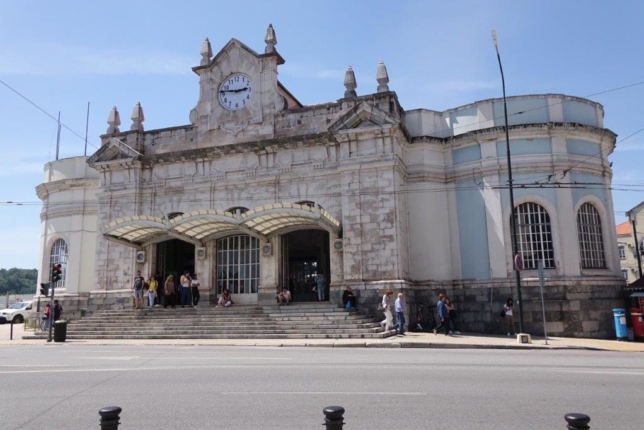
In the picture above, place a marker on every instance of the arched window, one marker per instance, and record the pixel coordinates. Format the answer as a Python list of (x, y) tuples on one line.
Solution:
[(534, 236), (238, 264), (237, 210), (174, 214), (58, 255), (591, 243)]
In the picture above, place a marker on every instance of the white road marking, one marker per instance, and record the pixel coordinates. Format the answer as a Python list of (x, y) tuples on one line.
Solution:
[(332, 393)]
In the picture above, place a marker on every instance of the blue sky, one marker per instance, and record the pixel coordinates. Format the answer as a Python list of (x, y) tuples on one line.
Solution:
[(439, 55)]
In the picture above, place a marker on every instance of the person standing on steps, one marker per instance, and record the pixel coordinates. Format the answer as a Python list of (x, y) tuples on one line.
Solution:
[(452, 315), (386, 308), (137, 289), (443, 315), (399, 307), (184, 289), (153, 285), (194, 284), (508, 309), (320, 285), (168, 292)]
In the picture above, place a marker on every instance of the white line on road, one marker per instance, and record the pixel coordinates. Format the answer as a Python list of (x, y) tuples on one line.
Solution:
[(332, 393)]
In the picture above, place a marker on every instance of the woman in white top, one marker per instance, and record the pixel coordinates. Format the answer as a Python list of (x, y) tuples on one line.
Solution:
[(508, 308), (387, 323)]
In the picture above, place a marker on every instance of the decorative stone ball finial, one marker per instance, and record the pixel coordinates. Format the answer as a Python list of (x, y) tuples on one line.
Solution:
[(382, 77), (206, 52), (350, 83), (137, 118), (114, 120), (270, 39)]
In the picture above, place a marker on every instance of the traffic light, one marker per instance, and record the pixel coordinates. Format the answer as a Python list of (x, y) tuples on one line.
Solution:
[(55, 273), (44, 289)]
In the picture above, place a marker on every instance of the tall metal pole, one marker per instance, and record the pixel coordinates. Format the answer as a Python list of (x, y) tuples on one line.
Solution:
[(513, 212), (637, 247), (86, 128), (58, 137)]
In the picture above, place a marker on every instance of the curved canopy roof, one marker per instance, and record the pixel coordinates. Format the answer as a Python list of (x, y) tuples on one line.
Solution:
[(202, 225)]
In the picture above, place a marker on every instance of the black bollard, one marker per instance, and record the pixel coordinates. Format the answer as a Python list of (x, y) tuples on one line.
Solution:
[(577, 421), (110, 417), (11, 331), (333, 417)]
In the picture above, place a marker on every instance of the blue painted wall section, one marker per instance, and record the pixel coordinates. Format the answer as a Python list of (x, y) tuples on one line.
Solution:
[(526, 179), (522, 111), (472, 228), (467, 154), (579, 112), (583, 147), (596, 188), (524, 147)]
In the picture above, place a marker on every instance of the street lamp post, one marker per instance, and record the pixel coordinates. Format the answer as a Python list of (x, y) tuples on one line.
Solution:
[(513, 212)]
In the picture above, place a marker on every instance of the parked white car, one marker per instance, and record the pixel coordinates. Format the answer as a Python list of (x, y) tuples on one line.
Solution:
[(16, 313)]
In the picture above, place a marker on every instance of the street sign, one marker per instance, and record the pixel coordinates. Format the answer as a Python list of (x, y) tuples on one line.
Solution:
[(518, 262)]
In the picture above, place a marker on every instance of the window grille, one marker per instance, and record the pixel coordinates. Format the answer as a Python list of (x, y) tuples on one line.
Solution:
[(238, 264), (534, 236), (58, 255), (591, 243)]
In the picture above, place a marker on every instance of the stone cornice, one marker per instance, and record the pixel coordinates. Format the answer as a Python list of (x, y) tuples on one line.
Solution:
[(69, 210), (43, 190), (498, 133)]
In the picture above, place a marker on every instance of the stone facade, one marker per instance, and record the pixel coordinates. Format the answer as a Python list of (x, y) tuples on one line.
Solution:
[(413, 200)]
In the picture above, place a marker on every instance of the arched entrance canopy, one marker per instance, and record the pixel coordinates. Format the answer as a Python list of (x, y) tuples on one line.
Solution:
[(202, 225)]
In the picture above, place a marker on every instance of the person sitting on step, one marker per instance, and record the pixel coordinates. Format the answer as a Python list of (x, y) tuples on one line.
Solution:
[(284, 297), (225, 299), (348, 298)]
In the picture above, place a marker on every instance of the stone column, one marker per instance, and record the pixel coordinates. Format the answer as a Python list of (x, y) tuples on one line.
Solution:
[(269, 271)]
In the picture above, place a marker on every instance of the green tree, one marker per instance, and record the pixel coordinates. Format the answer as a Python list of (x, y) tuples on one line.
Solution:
[(18, 281)]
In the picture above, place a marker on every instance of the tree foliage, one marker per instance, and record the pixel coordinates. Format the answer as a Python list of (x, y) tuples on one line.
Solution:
[(18, 281)]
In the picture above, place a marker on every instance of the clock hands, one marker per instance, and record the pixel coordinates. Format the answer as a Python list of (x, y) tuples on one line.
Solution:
[(235, 91)]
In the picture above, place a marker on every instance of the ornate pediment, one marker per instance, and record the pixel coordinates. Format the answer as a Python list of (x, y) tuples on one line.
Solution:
[(114, 151), (363, 115)]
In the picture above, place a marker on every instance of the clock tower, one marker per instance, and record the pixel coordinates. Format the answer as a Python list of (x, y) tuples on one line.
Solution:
[(238, 93)]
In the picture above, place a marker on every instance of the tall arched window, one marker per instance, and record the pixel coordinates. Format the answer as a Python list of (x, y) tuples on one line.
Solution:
[(591, 243), (534, 236), (58, 255)]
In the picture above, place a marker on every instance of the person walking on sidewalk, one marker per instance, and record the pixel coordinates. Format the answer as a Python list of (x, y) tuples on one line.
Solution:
[(443, 315), (451, 310), (386, 308), (399, 307), (508, 310)]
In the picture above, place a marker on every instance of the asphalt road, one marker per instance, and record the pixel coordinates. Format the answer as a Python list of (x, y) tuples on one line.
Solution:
[(62, 386)]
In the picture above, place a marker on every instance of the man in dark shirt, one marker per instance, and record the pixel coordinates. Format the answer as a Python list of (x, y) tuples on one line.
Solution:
[(58, 310), (348, 297), (137, 288)]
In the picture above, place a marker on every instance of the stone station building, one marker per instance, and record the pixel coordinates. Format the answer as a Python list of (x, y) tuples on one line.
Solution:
[(260, 192)]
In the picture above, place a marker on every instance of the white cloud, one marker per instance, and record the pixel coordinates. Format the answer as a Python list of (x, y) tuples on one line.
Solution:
[(299, 70), (66, 60), (630, 146), (22, 248), (460, 85)]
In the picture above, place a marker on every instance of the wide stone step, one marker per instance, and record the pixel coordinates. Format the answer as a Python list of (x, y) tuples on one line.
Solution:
[(224, 336), (214, 332)]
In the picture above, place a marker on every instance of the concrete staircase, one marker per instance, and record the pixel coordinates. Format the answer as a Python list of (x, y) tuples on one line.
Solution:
[(297, 321)]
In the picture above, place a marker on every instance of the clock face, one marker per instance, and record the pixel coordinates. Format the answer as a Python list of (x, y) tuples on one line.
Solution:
[(235, 91)]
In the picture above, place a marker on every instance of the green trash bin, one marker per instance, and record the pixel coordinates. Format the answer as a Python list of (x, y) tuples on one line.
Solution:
[(60, 331)]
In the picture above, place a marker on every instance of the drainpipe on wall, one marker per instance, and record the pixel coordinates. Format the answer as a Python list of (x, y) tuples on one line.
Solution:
[(637, 246)]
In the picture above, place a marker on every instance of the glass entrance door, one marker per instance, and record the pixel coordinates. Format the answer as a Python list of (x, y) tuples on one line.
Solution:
[(305, 254), (238, 267)]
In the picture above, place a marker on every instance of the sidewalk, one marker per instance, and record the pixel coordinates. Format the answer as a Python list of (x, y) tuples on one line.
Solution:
[(411, 340)]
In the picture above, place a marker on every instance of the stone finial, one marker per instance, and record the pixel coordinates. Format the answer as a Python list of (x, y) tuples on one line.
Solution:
[(114, 120), (137, 118), (382, 77), (206, 52), (270, 39), (350, 83)]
